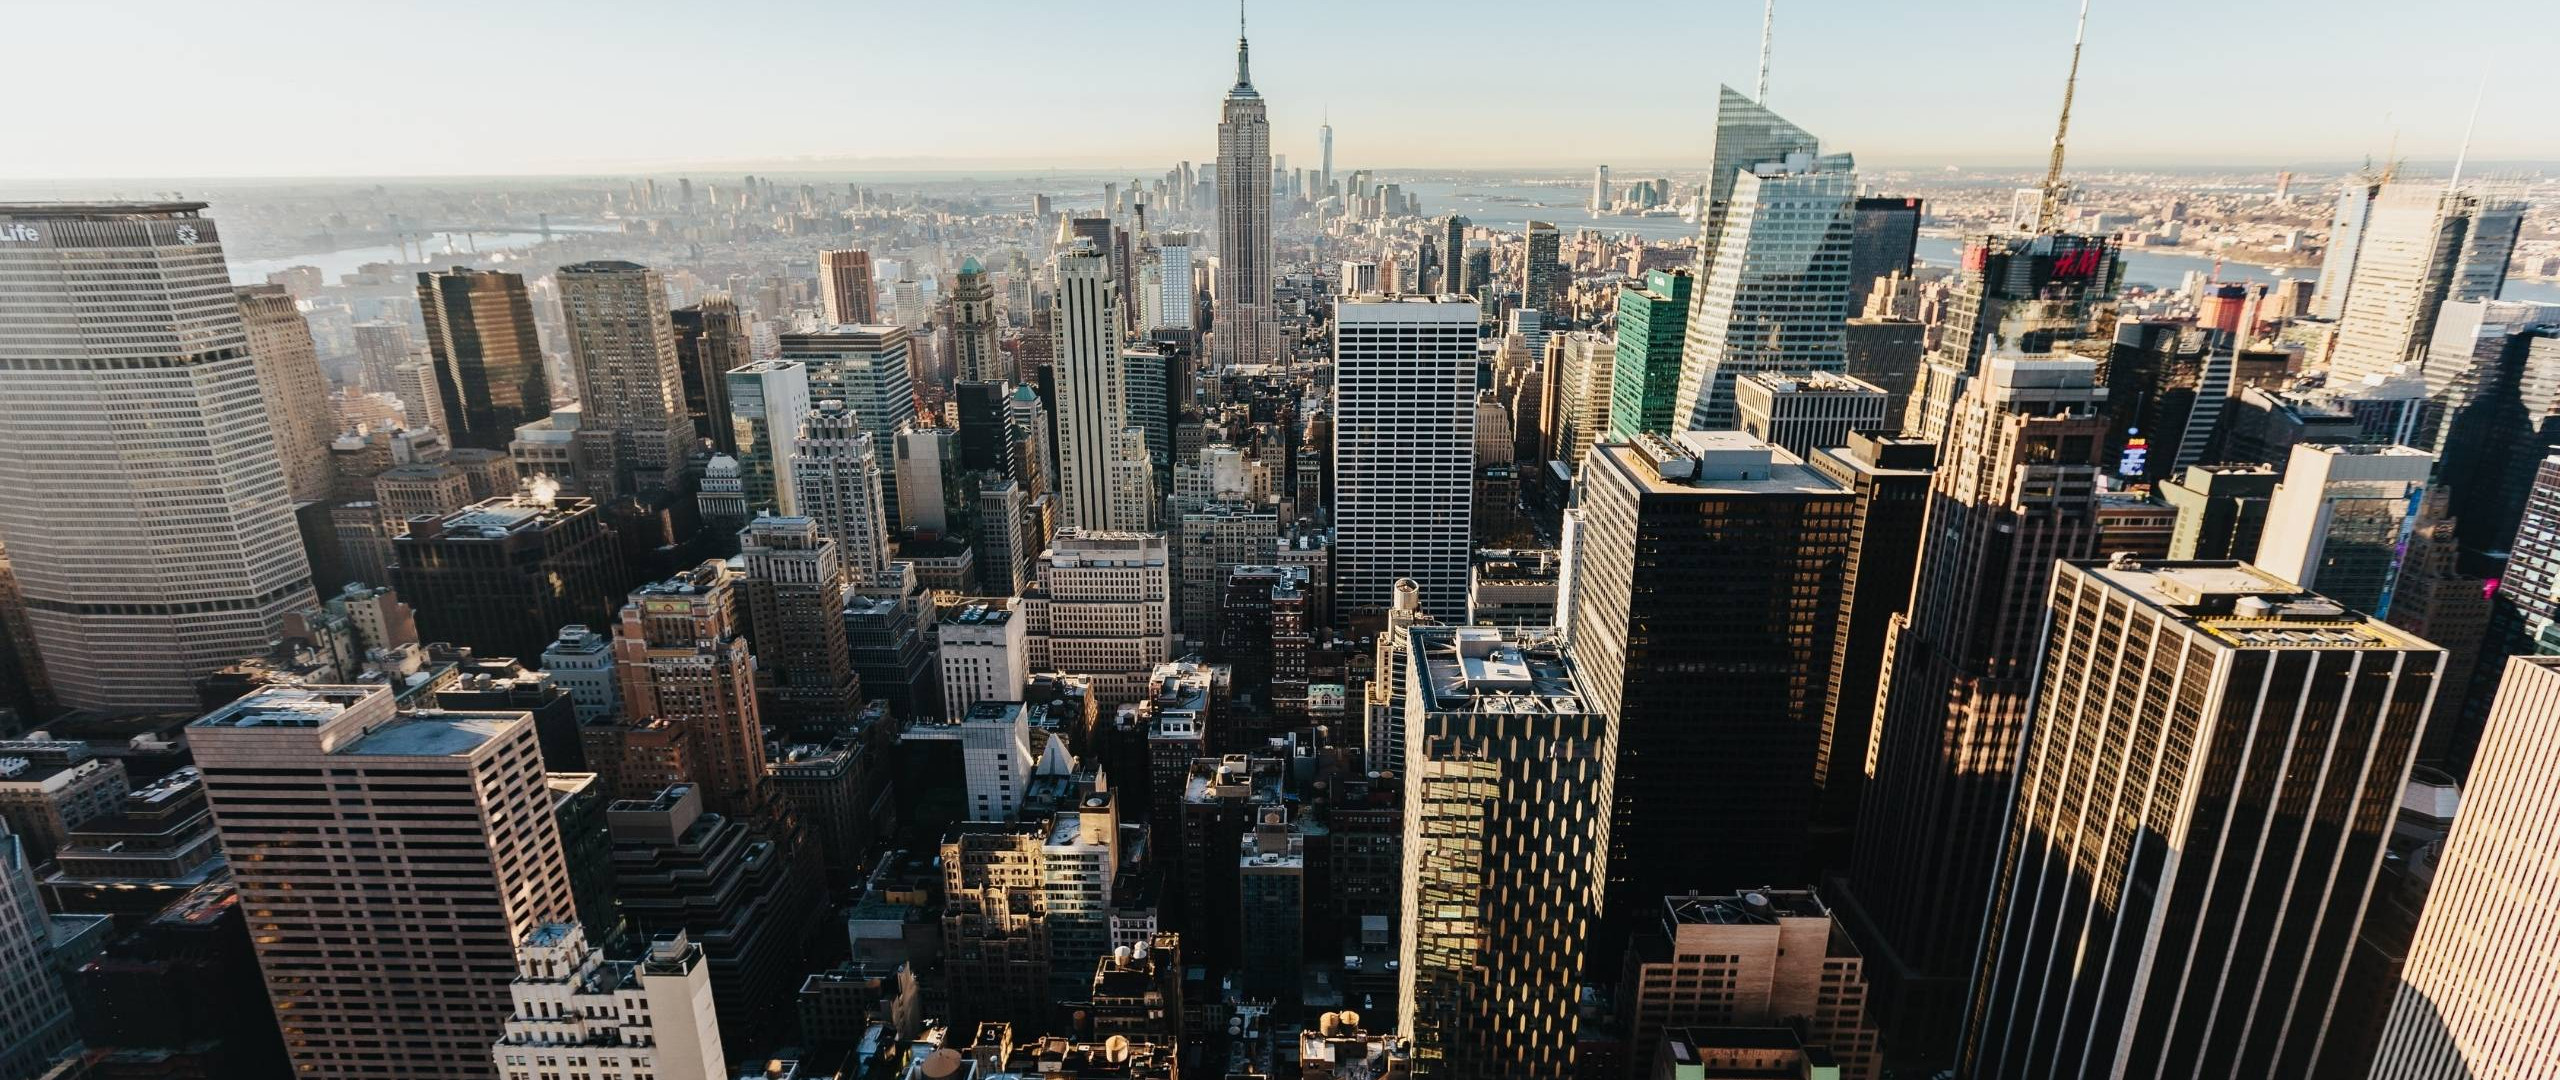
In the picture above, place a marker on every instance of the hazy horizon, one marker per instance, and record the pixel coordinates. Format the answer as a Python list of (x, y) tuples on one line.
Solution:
[(296, 89)]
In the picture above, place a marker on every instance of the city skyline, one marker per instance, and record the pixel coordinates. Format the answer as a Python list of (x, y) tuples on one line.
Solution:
[(1832, 70)]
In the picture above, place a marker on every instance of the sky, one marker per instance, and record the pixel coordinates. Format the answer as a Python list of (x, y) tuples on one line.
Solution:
[(383, 88)]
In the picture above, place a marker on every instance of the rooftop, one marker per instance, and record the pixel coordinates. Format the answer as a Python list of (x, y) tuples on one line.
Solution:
[(1484, 669), (432, 733), (100, 211), (1713, 463), (2243, 607), (1751, 906)]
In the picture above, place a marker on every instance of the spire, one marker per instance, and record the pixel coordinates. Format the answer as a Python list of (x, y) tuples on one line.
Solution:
[(2464, 154), (1244, 75), (1768, 21)]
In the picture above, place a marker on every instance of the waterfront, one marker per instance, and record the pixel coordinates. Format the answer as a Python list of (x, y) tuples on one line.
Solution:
[(1511, 206)]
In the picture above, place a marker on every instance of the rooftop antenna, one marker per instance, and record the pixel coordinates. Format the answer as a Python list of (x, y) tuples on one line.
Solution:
[(2052, 207), (2464, 154), (1243, 75), (1768, 19)]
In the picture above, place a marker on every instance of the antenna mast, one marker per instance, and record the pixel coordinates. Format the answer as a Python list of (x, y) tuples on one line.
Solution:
[(1768, 19), (2051, 210)]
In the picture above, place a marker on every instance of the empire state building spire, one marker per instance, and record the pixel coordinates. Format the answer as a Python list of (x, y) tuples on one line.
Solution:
[(1244, 56)]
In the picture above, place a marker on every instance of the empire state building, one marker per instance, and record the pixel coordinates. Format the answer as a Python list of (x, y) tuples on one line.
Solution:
[(1241, 321)]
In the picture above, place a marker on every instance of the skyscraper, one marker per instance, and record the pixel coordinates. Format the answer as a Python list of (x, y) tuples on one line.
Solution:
[(1711, 559), (768, 401), (36, 1021), (2346, 236), (2474, 1003), (868, 367), (680, 657), (1543, 279), (147, 520), (2340, 518), (487, 354), (2016, 296), (1747, 133), (2015, 490), (1174, 303), (974, 357), (835, 473), (711, 341), (1453, 251), (1506, 794), (1884, 236), (1600, 189), (1102, 607), (1104, 478), (1404, 431), (1763, 958), (1776, 293), (2200, 811), (504, 575), (632, 422), (610, 1018), (794, 588), (1889, 478), (2421, 246), (844, 286), (290, 385), (421, 990), (1244, 323), (1653, 321)]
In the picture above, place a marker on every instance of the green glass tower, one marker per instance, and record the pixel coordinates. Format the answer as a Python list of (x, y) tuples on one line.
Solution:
[(1646, 382)]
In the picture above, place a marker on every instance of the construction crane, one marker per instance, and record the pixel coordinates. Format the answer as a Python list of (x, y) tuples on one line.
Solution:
[(2049, 214)]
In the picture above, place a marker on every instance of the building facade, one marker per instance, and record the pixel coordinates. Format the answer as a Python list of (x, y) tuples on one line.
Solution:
[(149, 524), (1404, 432), (1506, 795), (2181, 704), (422, 989)]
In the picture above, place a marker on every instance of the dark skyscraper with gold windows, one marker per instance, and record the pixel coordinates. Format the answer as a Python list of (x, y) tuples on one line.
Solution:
[(488, 359)]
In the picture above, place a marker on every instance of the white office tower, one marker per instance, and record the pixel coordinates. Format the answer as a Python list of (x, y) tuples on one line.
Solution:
[(2339, 521), (35, 1010), (1506, 830), (1243, 325), (835, 476), (1172, 309), (2477, 1000), (1102, 607), (2346, 237), (295, 393), (145, 513), (2421, 246), (1404, 432), (1103, 470), (974, 356), (1775, 296), (632, 423), (995, 754), (985, 654), (768, 401), (579, 1016), (1600, 189), (390, 861)]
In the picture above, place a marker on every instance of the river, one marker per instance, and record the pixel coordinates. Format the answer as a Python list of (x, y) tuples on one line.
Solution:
[(332, 264), (1502, 205)]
